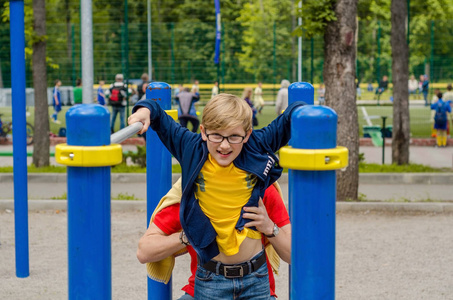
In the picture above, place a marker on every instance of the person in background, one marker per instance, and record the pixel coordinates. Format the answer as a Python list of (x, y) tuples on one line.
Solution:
[(141, 88), (258, 101), (425, 89), (412, 85), (186, 109), (195, 87), (282, 97), (215, 89), (101, 94), (247, 96), (321, 94), (56, 101), (448, 98), (369, 87), (117, 94), (78, 92), (441, 112)]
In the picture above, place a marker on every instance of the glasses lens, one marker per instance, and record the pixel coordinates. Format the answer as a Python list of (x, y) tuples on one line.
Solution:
[(235, 139), (215, 138)]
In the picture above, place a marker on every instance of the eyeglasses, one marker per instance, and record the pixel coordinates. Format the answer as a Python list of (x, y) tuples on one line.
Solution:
[(232, 139)]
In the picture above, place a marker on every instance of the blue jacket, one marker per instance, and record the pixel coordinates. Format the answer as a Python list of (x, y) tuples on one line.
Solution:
[(257, 157)]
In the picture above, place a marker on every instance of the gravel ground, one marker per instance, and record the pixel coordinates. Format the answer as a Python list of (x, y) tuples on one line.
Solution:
[(379, 256)]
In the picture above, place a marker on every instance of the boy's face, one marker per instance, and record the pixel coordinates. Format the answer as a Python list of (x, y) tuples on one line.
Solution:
[(224, 152)]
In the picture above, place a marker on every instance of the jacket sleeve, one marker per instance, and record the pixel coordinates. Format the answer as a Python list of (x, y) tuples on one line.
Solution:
[(173, 136), (278, 133)]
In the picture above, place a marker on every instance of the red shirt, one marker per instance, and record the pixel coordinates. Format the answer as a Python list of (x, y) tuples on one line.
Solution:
[(168, 221)]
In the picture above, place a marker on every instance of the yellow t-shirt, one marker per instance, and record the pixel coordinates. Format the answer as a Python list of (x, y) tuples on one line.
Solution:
[(222, 192)]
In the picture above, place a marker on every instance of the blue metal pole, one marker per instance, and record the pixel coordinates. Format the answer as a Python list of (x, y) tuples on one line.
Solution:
[(158, 175), (312, 208), (89, 249), (17, 37), (301, 91)]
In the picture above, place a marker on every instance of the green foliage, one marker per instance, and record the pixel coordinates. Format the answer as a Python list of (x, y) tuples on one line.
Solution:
[(410, 168), (125, 196), (138, 158), (64, 196), (316, 14)]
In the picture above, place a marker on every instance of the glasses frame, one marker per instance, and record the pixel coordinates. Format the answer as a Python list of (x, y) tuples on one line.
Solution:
[(226, 137)]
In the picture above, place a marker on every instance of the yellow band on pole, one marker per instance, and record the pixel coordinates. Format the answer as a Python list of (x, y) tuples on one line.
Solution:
[(172, 113), (313, 159), (88, 156)]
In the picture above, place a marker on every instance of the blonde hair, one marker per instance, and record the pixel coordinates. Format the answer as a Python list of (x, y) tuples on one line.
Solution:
[(227, 111), (248, 91)]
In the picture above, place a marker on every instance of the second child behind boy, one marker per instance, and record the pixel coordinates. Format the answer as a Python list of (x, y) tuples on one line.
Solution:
[(224, 169)]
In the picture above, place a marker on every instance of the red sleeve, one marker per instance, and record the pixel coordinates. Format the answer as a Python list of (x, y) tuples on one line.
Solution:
[(275, 207), (168, 219)]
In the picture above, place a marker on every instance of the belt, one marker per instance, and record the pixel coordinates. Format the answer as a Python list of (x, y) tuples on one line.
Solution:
[(237, 270)]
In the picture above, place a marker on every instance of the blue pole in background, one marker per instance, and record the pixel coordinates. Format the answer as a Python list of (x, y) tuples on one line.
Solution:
[(301, 91), (17, 37), (312, 208), (158, 175), (89, 233)]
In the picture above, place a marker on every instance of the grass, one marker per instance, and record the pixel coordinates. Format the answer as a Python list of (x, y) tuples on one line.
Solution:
[(410, 168), (419, 117)]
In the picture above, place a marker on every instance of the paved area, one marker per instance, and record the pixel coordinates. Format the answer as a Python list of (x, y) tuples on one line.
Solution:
[(379, 256)]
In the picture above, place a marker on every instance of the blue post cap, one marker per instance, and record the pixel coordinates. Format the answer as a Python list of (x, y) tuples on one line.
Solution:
[(160, 92), (314, 127), (301, 91), (88, 125)]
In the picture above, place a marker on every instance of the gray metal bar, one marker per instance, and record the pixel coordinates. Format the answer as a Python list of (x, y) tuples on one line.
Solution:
[(87, 51), (125, 133)]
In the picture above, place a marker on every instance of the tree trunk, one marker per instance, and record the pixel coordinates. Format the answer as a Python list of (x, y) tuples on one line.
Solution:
[(339, 77), (400, 72), (41, 134)]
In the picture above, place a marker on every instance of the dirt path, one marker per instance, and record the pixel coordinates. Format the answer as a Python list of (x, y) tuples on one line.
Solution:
[(379, 256)]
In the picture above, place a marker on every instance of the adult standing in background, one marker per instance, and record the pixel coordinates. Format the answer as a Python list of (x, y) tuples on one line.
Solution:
[(56, 101), (321, 94), (282, 97), (258, 101), (215, 89), (117, 94), (78, 92), (186, 108), (195, 87), (101, 94)]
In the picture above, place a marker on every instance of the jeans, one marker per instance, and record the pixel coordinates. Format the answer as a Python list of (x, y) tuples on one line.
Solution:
[(115, 111), (188, 297), (208, 285), (425, 97)]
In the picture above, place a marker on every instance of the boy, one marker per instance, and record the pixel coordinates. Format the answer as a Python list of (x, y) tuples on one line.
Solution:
[(216, 190), (165, 228), (56, 101), (440, 111)]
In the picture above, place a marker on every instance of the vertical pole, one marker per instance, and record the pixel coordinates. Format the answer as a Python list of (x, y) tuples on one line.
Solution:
[(158, 175), (383, 138), (299, 43), (312, 208), (17, 38), (312, 54), (431, 61), (126, 39), (172, 26), (73, 56), (150, 49), (274, 62), (378, 60), (223, 54), (87, 51), (89, 250)]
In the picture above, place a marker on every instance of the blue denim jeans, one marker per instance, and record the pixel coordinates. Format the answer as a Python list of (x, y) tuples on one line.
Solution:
[(208, 285), (115, 111)]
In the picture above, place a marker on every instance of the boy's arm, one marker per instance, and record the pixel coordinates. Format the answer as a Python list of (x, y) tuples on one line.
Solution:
[(172, 135), (278, 133)]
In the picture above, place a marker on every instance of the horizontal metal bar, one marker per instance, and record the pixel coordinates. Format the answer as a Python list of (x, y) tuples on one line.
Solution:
[(125, 133)]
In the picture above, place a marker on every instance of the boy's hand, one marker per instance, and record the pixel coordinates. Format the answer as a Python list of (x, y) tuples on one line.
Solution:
[(260, 218), (141, 115)]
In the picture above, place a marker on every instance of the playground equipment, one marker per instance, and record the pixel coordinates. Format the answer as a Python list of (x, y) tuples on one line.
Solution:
[(312, 158)]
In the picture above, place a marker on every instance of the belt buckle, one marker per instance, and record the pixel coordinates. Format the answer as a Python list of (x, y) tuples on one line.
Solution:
[(234, 269)]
